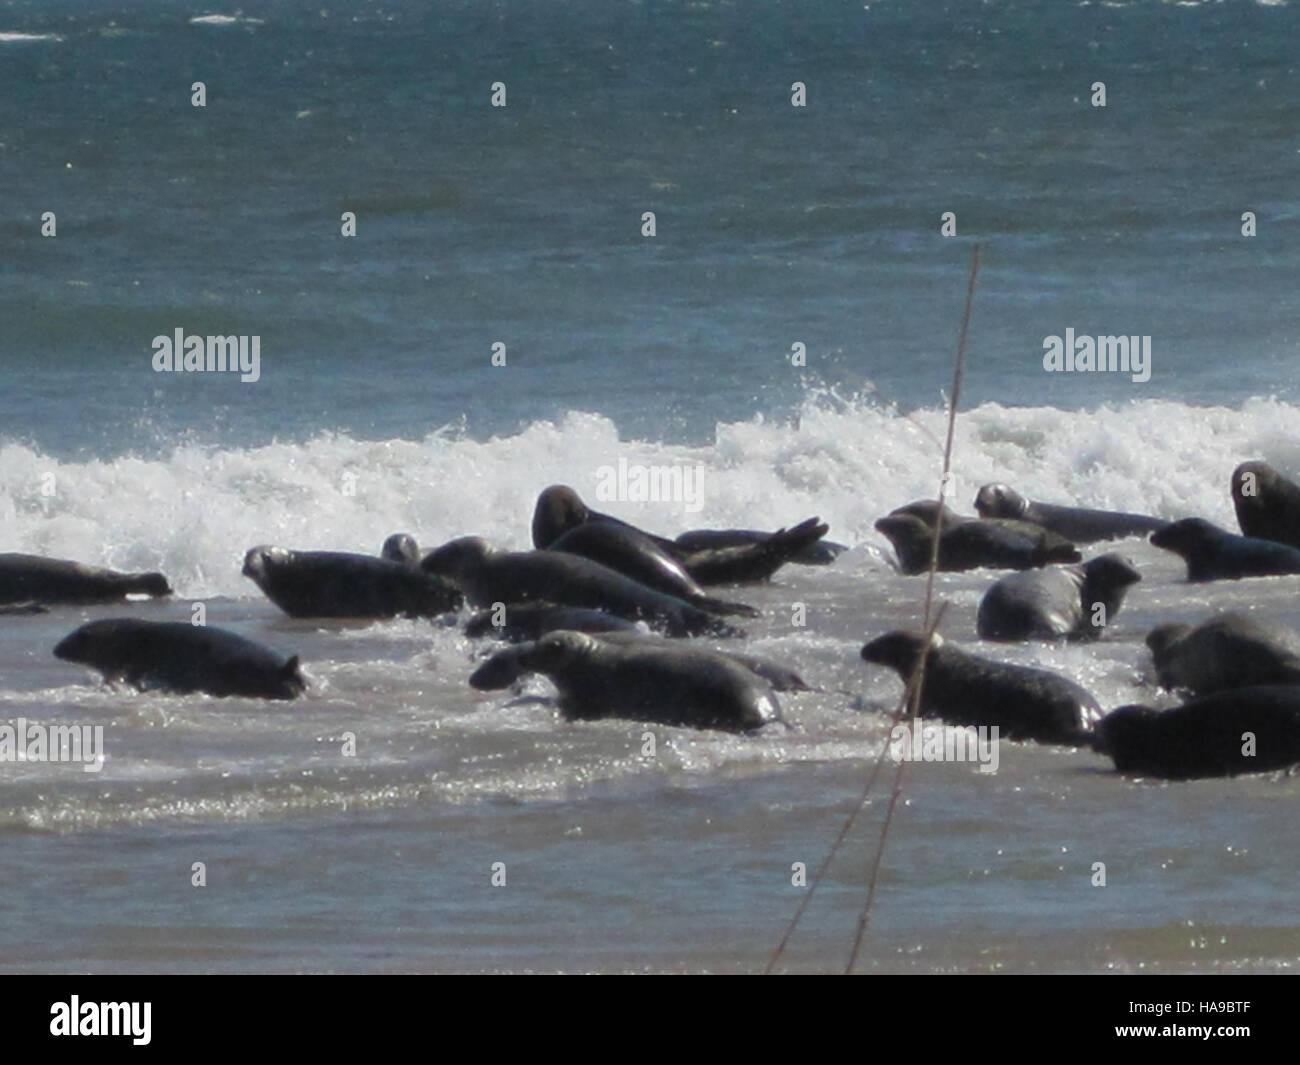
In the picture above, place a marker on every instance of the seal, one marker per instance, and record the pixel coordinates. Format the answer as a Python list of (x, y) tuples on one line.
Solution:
[(973, 545), (488, 576), (1214, 554), (818, 553), (963, 689), (516, 622), (504, 667), (1242, 730), (559, 509), (1231, 650), (51, 581), (930, 511), (1064, 602), (1077, 524), (642, 680), (637, 556), (335, 584), (1267, 504), (181, 658), (401, 547)]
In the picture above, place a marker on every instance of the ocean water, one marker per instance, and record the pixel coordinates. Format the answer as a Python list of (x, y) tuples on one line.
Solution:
[(377, 408)]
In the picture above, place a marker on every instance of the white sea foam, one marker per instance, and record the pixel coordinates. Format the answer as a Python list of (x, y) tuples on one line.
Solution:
[(195, 513)]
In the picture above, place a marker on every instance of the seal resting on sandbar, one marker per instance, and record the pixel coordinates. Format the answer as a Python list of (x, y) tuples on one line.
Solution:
[(1063, 602), (182, 658), (489, 576), (1214, 554), (635, 555), (1267, 504), (1078, 524), (643, 680), (1232, 650), (559, 509), (35, 579), (963, 689), (973, 544), (1242, 730), (335, 584)]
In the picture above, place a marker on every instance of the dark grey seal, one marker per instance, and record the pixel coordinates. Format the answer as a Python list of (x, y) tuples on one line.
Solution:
[(635, 555), (653, 681), (1213, 736), (488, 576), (1267, 504), (531, 621), (818, 553), (1214, 554), (34, 579), (178, 657), (973, 544), (962, 689), (1078, 524), (781, 677), (335, 584), (1231, 650), (1062, 602), (559, 509)]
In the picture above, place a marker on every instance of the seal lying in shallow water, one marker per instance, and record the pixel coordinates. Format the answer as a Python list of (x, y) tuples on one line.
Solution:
[(1231, 650), (506, 666), (1267, 504), (642, 680), (35, 579), (1214, 554), (531, 621), (488, 576), (1243, 730), (182, 658), (1063, 602), (335, 584), (1078, 524), (962, 689), (559, 509), (637, 556), (973, 545)]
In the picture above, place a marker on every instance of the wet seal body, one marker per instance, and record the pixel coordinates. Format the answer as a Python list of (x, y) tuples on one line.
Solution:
[(635, 555), (1078, 524), (35, 579), (818, 553), (973, 544), (182, 658), (654, 681), (1231, 650), (516, 622), (1214, 554), (1242, 730), (559, 509), (488, 576), (1057, 603), (963, 689), (1267, 504), (335, 584)]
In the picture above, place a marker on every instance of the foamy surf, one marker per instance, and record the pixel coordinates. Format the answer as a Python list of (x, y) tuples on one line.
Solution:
[(193, 514)]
